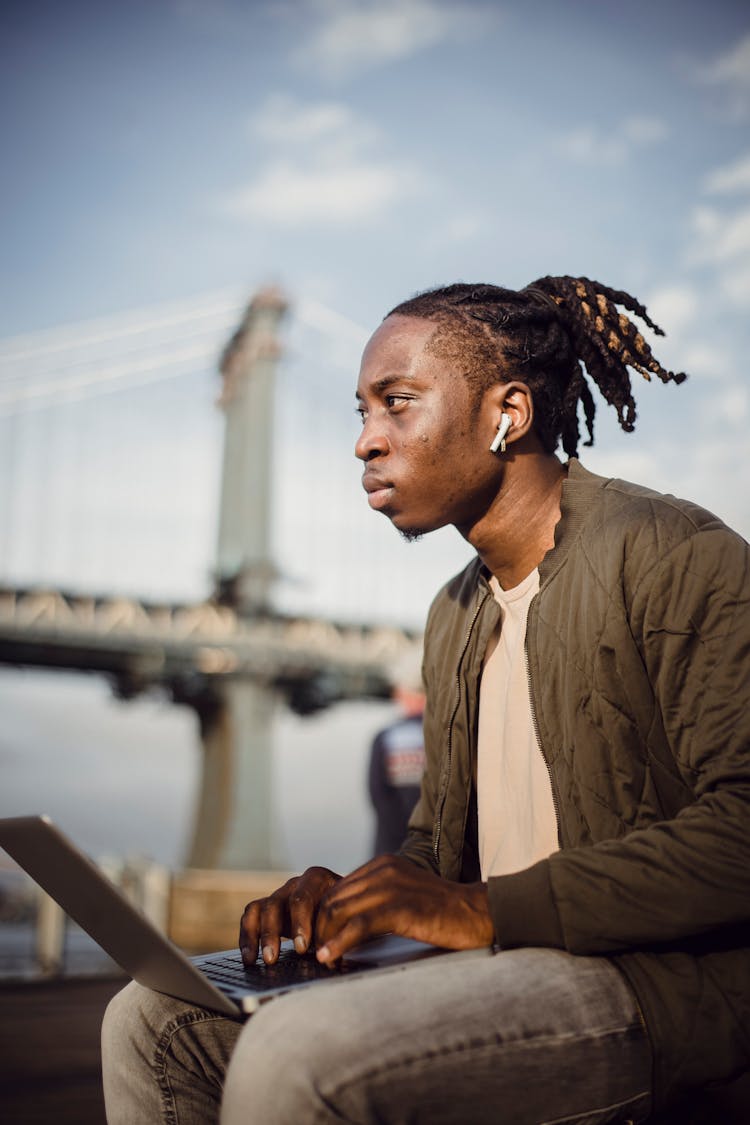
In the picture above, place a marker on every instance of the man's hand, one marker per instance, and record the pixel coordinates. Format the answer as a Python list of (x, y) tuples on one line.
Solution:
[(391, 895), (289, 912)]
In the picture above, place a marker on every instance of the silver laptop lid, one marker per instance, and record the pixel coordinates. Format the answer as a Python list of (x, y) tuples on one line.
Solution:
[(100, 908)]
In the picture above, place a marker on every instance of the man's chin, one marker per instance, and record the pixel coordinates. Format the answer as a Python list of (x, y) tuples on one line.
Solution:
[(410, 534)]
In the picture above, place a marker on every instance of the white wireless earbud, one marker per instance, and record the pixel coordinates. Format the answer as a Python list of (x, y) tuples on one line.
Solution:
[(498, 443)]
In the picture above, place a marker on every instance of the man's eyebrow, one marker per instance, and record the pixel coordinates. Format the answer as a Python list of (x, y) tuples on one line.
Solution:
[(384, 382)]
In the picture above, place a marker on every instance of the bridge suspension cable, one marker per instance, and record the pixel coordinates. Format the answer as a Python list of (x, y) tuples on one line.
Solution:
[(72, 362), (103, 330)]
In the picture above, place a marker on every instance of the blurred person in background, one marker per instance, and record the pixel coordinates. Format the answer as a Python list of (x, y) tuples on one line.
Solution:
[(397, 758), (585, 809)]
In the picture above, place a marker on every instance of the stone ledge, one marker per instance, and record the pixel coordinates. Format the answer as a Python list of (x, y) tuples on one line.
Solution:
[(205, 906)]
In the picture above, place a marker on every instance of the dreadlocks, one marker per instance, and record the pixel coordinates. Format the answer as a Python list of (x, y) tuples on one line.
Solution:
[(545, 335)]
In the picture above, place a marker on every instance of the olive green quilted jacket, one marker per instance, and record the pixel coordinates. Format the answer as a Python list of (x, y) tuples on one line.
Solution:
[(638, 648)]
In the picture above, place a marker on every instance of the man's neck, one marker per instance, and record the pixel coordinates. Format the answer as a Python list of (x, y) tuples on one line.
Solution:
[(519, 529)]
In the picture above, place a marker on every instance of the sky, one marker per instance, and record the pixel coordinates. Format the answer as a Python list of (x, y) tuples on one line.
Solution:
[(160, 153)]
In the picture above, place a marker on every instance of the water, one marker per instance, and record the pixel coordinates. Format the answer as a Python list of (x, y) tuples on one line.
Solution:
[(82, 957), (120, 778)]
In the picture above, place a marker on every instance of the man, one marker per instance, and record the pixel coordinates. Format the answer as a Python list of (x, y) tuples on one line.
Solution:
[(585, 804), (396, 765)]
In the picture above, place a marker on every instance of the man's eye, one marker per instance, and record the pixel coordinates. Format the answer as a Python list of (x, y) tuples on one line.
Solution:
[(362, 413), (395, 400)]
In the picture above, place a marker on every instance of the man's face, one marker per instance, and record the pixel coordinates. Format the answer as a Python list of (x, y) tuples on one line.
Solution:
[(424, 439)]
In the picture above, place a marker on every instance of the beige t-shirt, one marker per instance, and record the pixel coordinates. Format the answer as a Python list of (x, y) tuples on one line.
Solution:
[(517, 821)]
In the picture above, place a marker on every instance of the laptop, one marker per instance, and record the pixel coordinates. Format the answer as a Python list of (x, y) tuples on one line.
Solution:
[(216, 980)]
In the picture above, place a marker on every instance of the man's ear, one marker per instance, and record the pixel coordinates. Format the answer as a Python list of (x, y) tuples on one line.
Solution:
[(513, 399)]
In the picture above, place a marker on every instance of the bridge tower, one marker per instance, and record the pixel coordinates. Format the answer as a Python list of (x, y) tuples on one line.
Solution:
[(232, 826), (245, 569)]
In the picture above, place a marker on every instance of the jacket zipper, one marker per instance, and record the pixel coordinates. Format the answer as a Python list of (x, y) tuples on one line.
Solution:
[(444, 792)]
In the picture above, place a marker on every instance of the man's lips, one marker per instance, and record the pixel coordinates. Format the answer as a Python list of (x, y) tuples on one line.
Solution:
[(378, 491)]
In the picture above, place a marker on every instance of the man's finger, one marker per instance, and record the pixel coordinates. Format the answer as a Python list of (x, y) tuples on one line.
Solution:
[(272, 927), (344, 907), (249, 932), (303, 902), (302, 905), (354, 932), (288, 912)]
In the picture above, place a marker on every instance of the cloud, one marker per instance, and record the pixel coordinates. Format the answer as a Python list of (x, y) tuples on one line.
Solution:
[(733, 404), (591, 145), (720, 231), (680, 310), (284, 120), (674, 307), (719, 236), (730, 73), (730, 179), (704, 359), (323, 169), (721, 241), (637, 131), (462, 227), (357, 35), (290, 194), (736, 285), (731, 68)]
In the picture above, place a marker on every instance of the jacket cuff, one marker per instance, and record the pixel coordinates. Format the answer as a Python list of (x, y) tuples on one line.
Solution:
[(523, 908)]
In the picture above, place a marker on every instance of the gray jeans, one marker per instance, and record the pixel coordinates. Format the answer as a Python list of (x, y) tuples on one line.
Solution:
[(526, 1037)]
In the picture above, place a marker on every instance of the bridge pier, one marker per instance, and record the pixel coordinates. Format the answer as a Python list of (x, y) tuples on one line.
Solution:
[(232, 825)]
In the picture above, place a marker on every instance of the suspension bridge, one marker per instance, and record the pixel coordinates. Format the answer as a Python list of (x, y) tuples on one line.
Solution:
[(212, 554)]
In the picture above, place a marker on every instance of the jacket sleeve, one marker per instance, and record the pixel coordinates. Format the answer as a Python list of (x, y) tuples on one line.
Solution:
[(683, 878)]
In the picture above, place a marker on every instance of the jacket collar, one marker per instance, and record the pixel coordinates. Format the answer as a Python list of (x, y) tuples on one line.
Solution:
[(577, 502)]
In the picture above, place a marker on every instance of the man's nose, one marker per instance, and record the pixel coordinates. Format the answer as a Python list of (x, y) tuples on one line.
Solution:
[(372, 442)]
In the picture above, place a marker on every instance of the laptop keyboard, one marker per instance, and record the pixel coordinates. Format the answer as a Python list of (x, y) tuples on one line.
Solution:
[(227, 971)]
